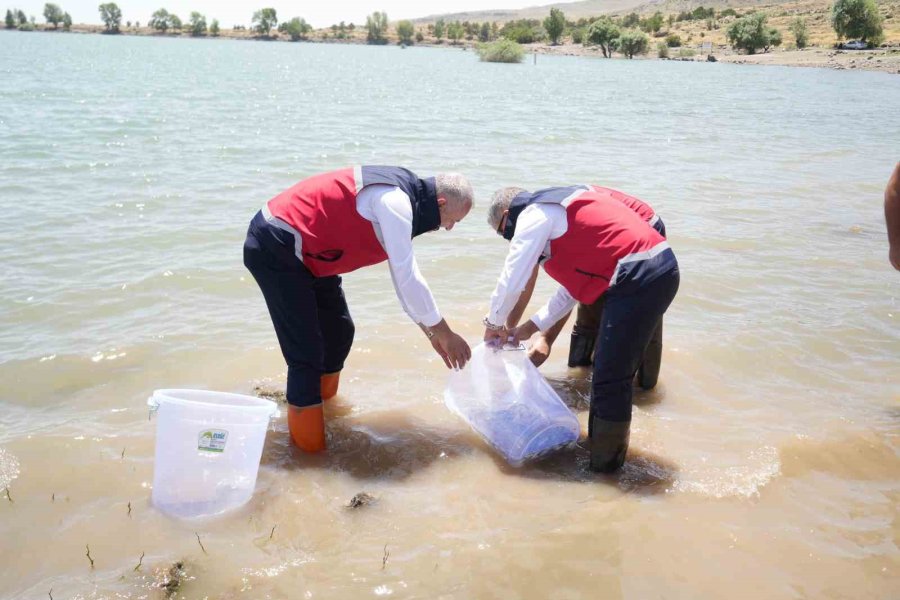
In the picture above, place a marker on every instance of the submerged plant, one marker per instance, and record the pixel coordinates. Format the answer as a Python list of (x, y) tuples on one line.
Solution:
[(503, 51)]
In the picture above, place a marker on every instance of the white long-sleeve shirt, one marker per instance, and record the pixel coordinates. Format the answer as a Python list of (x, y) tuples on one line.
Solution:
[(536, 226), (390, 211)]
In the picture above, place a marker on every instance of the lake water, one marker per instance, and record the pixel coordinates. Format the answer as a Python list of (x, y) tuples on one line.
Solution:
[(765, 464)]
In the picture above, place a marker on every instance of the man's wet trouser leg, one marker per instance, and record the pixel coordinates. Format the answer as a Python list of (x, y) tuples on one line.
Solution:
[(634, 307), (311, 322), (584, 333)]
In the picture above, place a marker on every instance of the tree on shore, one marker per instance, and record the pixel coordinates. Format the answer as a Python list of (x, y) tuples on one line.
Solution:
[(10, 19), (298, 29), (214, 28), (857, 19), (198, 24), (160, 20), (801, 36), (555, 24), (111, 15), (377, 26), (604, 33), (484, 34), (653, 24), (405, 31), (439, 27), (53, 14), (631, 42), (21, 18), (455, 31), (67, 22), (264, 20), (751, 33)]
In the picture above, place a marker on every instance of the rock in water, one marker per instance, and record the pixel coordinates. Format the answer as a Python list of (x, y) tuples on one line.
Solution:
[(361, 499)]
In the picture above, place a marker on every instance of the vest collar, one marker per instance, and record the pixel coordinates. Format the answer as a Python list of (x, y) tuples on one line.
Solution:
[(426, 213), (518, 204)]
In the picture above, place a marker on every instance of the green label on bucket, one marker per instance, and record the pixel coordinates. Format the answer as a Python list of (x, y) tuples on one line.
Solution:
[(212, 440)]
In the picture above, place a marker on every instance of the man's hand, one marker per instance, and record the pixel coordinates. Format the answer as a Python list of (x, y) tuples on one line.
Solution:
[(539, 351), (522, 332), (495, 337), (451, 347)]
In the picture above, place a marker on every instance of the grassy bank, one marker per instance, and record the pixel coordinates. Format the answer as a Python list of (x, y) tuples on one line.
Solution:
[(687, 39)]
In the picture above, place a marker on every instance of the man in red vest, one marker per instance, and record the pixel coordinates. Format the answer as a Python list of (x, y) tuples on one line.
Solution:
[(593, 244), (305, 238), (587, 320)]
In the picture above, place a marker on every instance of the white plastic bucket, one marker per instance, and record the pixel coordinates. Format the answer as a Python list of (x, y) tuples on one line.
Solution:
[(208, 448)]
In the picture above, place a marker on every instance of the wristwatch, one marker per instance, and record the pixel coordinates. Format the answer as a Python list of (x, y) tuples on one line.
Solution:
[(490, 325)]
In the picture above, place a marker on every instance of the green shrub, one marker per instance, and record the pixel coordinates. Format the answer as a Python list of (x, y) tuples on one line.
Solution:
[(214, 28), (54, 14), (578, 35), (633, 42), (686, 53), (801, 36), (298, 29), (857, 19), (662, 50), (504, 50), (751, 33), (555, 24), (604, 33), (405, 31), (263, 21), (376, 27), (673, 40), (111, 15), (160, 20), (26, 26), (198, 24)]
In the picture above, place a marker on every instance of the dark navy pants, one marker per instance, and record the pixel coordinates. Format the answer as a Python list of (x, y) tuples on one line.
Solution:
[(309, 313), (634, 307)]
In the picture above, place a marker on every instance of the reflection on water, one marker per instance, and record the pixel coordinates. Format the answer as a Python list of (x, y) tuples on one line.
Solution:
[(765, 460)]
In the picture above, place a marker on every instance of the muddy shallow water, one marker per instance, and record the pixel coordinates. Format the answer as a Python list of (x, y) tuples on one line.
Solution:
[(764, 465)]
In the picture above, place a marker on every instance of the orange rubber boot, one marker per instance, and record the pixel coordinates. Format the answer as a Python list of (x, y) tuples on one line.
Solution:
[(307, 427), (329, 384)]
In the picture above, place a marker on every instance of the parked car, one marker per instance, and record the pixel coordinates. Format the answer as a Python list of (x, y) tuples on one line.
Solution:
[(856, 45)]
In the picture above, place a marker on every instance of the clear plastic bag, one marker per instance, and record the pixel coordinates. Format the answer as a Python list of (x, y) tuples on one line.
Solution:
[(504, 398)]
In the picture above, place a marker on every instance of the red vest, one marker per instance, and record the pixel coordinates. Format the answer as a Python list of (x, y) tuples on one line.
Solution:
[(335, 238), (602, 230), (639, 206)]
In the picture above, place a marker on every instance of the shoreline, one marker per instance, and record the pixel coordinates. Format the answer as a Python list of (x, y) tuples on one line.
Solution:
[(884, 60)]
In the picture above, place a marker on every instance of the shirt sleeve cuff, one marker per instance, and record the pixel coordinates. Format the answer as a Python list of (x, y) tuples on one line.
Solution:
[(431, 319)]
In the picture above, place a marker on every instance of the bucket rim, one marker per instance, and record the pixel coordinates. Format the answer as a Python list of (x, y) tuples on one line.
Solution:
[(247, 403)]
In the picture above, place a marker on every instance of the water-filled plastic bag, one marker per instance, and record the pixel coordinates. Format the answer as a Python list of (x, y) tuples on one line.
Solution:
[(504, 398)]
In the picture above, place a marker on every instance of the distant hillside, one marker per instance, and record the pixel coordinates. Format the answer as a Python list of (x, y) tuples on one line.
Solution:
[(573, 10), (592, 8)]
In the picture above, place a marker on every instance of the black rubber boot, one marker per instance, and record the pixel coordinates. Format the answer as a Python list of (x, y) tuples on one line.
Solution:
[(609, 443), (581, 349), (648, 373)]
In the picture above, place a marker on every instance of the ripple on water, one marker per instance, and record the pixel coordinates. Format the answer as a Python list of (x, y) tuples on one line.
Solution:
[(9, 468), (743, 480)]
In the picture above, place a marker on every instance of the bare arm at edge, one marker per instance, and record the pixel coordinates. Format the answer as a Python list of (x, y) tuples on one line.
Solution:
[(892, 216)]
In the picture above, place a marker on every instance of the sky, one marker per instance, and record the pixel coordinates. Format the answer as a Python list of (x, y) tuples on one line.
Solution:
[(240, 12)]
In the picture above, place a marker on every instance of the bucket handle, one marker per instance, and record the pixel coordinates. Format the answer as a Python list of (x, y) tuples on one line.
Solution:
[(153, 405)]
